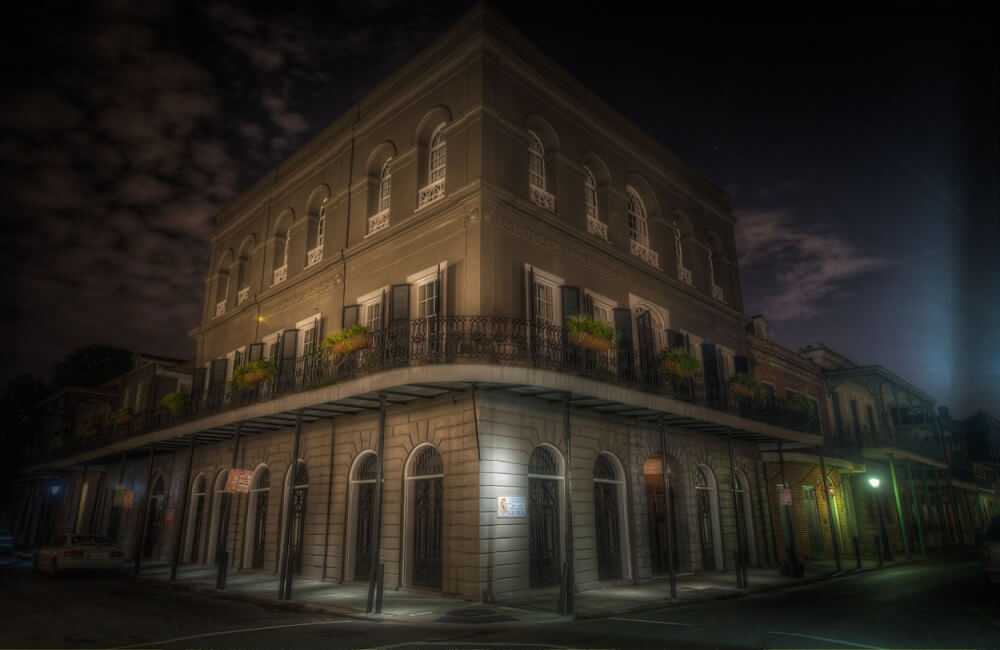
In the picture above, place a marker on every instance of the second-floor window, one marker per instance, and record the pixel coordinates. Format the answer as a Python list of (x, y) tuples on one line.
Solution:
[(637, 227), (308, 335), (536, 162), (427, 298), (380, 219), (594, 224), (545, 302), (371, 314)]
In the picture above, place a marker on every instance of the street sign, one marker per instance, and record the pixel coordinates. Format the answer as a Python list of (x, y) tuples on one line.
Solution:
[(239, 480), (128, 498), (510, 507), (786, 496)]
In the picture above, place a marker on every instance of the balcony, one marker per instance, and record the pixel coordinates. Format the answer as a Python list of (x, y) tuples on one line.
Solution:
[(377, 222), (542, 199), (430, 193), (717, 292), (644, 253), (280, 274), (597, 227), (314, 256), (220, 308), (243, 296), (466, 340)]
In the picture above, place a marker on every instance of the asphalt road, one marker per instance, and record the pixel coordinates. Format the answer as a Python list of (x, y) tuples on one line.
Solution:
[(931, 605)]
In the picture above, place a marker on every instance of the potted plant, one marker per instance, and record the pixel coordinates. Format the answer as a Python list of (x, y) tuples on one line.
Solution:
[(679, 362), (588, 333), (803, 404), (251, 374), (121, 416), (174, 403), (344, 342), (743, 385)]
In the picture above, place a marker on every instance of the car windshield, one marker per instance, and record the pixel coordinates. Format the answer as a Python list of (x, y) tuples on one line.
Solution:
[(993, 532), (91, 540)]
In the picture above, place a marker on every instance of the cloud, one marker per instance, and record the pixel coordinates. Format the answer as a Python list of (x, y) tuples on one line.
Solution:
[(797, 270)]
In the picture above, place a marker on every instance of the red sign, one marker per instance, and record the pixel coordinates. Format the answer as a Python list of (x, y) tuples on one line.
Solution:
[(239, 480), (128, 498)]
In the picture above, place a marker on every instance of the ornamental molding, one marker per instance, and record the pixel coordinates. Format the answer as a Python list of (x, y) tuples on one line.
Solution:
[(314, 288), (555, 247)]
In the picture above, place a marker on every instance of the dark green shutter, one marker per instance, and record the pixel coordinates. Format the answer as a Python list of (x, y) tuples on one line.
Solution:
[(289, 345), (399, 308), (675, 340), (256, 352), (646, 345), (197, 384), (350, 316), (623, 324), (713, 387), (531, 294), (217, 376), (570, 302)]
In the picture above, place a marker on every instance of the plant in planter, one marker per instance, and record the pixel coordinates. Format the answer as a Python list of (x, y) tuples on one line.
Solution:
[(679, 362), (251, 374), (588, 333), (343, 342), (803, 404), (174, 403), (121, 416), (743, 385)]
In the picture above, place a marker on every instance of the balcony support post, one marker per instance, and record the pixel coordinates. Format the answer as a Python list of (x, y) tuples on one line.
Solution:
[(178, 539), (916, 506), (792, 567), (834, 525), (668, 507), (741, 582), (285, 577), (899, 509), (945, 527), (221, 556), (79, 500), (140, 522), (568, 584), (374, 604)]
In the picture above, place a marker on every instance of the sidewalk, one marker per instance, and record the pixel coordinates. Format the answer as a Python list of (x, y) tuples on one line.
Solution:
[(350, 600)]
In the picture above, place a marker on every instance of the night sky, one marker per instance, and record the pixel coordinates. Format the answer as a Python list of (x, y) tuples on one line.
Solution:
[(861, 157)]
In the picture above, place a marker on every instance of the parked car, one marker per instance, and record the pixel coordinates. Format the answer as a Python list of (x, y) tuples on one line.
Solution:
[(6, 542), (74, 552), (991, 550)]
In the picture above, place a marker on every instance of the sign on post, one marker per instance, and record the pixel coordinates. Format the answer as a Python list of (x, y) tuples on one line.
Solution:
[(786, 496), (509, 507), (239, 480)]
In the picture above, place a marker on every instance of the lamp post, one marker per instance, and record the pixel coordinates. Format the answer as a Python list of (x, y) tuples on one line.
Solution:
[(887, 552)]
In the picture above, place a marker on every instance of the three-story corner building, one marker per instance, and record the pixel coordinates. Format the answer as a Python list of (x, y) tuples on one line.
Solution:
[(461, 213)]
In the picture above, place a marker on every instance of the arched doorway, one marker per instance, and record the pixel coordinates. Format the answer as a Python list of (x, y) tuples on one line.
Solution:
[(154, 517), (260, 492), (220, 504), (196, 517), (744, 514), (364, 480), (609, 523), (426, 486), (300, 491), (544, 499), (707, 507), (656, 513)]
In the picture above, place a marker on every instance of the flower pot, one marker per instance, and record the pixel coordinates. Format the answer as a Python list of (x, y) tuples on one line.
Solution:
[(672, 369), (586, 340), (797, 407), (740, 390), (358, 342), (254, 377)]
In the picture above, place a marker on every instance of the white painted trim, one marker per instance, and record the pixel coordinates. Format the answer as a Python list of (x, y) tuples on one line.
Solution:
[(371, 295), (428, 274)]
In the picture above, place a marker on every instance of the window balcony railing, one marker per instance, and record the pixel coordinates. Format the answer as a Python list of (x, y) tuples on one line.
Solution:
[(470, 339), (280, 274), (220, 308), (243, 295), (541, 198), (597, 227), (430, 193), (717, 292), (378, 221), (644, 253), (684, 275), (314, 256)]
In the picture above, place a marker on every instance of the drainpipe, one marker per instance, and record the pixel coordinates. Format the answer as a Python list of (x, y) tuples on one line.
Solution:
[(829, 512), (374, 584), (285, 583), (568, 586)]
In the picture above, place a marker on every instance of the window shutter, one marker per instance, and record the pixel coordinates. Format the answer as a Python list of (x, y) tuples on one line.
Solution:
[(644, 328), (676, 340), (570, 302), (440, 293), (740, 365), (399, 309), (384, 316), (217, 376), (289, 343), (197, 384), (588, 305), (256, 352), (710, 359), (350, 316), (531, 294), (623, 323)]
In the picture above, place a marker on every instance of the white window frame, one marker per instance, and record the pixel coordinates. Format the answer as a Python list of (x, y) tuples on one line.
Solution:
[(439, 148), (695, 342), (384, 187), (638, 221), (638, 304), (304, 325), (728, 368), (271, 339), (368, 300), (551, 280), (421, 278), (602, 303), (536, 162), (231, 360)]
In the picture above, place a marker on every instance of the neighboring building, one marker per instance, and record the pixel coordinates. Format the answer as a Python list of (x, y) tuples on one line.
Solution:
[(983, 436)]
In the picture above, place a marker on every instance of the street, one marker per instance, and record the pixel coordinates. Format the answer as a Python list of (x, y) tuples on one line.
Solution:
[(941, 604)]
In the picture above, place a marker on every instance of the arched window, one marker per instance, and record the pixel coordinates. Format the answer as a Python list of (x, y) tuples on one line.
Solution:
[(362, 515), (683, 273), (544, 523), (257, 516), (300, 492), (536, 162), (594, 224), (609, 519), (315, 254), (437, 160), (714, 250), (424, 504), (196, 517), (638, 229), (708, 518), (380, 219)]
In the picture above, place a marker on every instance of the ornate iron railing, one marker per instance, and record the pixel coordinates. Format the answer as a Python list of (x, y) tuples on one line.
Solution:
[(471, 339), (430, 193)]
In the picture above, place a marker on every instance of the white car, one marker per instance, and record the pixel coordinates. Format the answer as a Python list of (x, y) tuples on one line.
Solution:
[(72, 552), (991, 550)]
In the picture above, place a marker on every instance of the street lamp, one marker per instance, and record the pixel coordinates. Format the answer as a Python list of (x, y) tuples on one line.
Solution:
[(887, 552)]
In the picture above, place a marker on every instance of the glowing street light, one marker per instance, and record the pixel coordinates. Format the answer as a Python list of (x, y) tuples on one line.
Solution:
[(874, 482)]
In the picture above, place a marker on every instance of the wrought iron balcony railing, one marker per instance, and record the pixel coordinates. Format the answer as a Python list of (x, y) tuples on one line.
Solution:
[(472, 339)]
